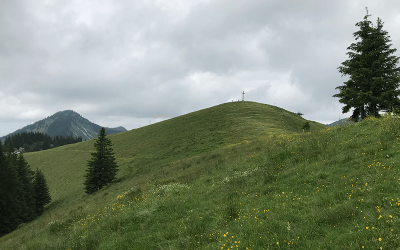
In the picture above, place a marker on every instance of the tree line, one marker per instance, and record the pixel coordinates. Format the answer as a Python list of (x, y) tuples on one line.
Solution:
[(23, 192), (36, 141)]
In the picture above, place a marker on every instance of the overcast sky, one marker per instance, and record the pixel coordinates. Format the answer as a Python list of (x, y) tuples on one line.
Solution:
[(121, 63)]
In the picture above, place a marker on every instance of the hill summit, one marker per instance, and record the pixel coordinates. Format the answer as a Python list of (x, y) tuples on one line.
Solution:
[(66, 123), (156, 152)]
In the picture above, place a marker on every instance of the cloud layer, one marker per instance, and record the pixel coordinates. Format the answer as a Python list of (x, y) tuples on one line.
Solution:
[(120, 63)]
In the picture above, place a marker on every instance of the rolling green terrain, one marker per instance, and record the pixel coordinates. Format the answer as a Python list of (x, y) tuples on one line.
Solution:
[(235, 176)]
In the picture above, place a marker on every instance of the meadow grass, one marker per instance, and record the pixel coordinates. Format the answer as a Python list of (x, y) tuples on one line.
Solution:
[(336, 188)]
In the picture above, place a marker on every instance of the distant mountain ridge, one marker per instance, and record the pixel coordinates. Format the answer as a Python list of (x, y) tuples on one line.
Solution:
[(67, 123), (340, 122)]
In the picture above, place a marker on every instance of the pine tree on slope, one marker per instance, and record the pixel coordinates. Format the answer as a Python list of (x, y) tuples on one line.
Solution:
[(26, 177), (10, 196), (42, 195), (374, 75), (102, 167)]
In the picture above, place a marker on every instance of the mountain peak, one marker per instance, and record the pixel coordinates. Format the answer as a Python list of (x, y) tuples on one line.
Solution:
[(66, 112), (67, 123)]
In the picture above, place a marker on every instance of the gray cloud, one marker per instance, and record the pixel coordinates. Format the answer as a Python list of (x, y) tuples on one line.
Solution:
[(121, 62)]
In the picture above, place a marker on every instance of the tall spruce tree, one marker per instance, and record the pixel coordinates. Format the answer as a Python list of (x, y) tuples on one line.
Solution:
[(42, 194), (26, 177), (102, 167), (374, 75), (10, 195)]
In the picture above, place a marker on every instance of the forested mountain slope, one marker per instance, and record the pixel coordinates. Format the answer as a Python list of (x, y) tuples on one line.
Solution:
[(66, 123)]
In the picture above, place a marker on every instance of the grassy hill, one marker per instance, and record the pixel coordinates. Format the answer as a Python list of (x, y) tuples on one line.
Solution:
[(238, 175), (150, 152)]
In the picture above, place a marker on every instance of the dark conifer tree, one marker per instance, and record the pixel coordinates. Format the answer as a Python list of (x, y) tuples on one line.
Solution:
[(42, 195), (374, 75), (26, 178), (102, 167), (10, 155), (10, 195)]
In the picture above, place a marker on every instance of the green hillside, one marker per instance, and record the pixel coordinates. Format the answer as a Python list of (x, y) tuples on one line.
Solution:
[(234, 176), (149, 151)]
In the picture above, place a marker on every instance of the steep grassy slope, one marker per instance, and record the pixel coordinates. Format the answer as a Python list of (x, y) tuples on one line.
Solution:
[(200, 152)]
